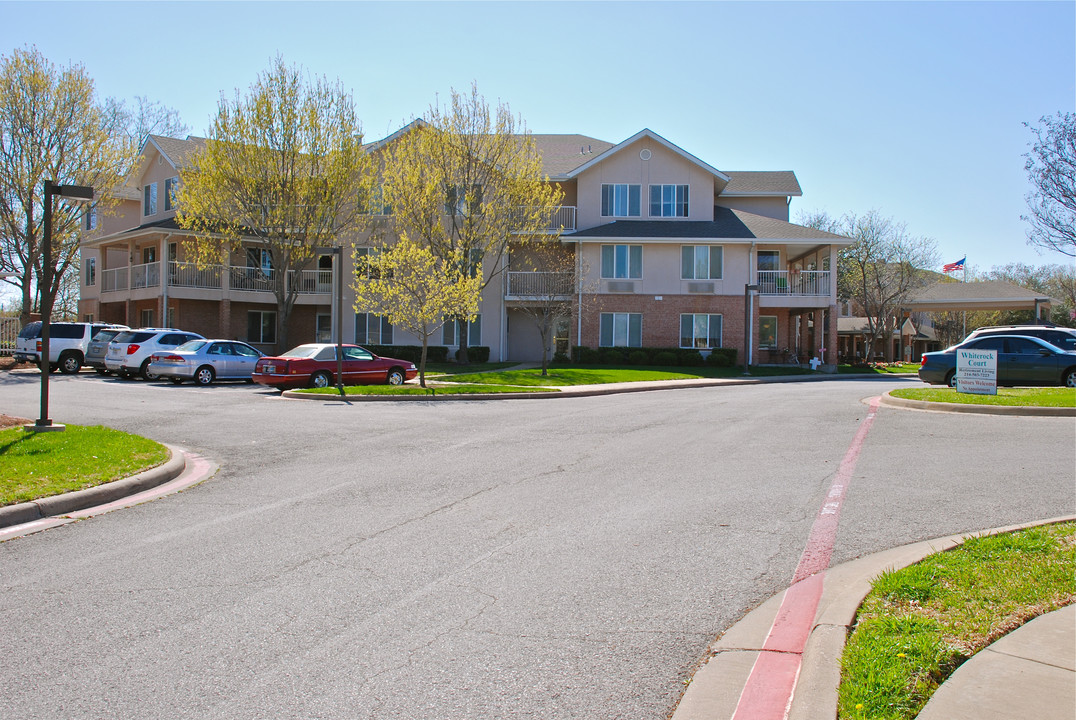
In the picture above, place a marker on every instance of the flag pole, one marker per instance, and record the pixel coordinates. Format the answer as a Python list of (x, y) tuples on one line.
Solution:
[(965, 280)]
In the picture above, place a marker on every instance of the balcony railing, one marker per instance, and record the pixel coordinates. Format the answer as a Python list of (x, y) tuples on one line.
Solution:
[(189, 275), (211, 277), (538, 285), (114, 279), (145, 276), (785, 282), (557, 219)]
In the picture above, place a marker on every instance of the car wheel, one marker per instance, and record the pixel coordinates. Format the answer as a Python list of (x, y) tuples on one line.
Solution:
[(1069, 379), (70, 363), (950, 379), (204, 375), (320, 380), (396, 376), (144, 371)]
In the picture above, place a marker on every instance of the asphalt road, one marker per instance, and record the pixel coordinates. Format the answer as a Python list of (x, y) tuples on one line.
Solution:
[(567, 558)]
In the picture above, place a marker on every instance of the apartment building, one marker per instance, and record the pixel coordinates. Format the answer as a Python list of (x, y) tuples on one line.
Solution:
[(669, 252)]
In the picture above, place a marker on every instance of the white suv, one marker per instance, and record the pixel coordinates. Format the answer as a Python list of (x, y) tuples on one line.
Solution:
[(68, 342), (129, 352)]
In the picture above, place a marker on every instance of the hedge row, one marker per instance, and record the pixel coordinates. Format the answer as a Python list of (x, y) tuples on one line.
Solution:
[(672, 357), (434, 353)]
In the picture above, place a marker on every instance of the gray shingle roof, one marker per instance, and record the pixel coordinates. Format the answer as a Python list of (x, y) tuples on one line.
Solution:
[(752, 182), (984, 290), (727, 224), (564, 153), (179, 151)]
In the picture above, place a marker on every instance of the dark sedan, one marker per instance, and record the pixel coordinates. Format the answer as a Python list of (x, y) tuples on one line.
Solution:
[(314, 365), (1022, 360)]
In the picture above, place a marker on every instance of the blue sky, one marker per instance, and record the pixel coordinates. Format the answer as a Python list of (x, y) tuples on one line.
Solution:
[(911, 108)]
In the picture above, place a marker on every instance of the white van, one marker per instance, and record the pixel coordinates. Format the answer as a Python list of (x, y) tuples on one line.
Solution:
[(68, 342)]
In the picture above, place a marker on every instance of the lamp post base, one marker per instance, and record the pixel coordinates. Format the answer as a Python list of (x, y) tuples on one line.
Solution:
[(46, 426)]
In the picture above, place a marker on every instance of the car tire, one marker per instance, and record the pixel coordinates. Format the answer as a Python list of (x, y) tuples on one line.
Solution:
[(145, 373), (320, 379), (70, 363), (396, 376), (1069, 378), (950, 379), (204, 375)]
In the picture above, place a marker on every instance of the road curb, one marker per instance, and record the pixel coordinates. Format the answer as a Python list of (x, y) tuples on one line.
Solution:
[(98, 495), (1027, 411), (715, 689)]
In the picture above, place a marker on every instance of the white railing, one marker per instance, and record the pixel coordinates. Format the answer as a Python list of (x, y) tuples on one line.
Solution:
[(252, 279), (557, 219), (539, 284), (114, 279), (146, 276), (313, 281), (785, 282), (187, 274)]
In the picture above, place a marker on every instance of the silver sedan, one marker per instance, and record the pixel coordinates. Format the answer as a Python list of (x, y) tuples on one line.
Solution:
[(204, 361)]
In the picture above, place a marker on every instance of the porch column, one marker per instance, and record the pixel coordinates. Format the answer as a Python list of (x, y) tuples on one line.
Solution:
[(831, 336)]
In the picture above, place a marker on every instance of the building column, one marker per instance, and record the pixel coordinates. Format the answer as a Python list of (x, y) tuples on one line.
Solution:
[(224, 321), (831, 336)]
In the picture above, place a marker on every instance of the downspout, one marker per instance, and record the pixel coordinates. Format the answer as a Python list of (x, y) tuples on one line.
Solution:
[(751, 270), (504, 309), (579, 296), (164, 278)]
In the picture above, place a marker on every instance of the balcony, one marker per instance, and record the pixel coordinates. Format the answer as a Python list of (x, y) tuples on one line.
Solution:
[(538, 285), (212, 277), (557, 219), (811, 283)]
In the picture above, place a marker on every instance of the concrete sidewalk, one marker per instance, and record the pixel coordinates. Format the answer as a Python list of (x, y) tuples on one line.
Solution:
[(1032, 668)]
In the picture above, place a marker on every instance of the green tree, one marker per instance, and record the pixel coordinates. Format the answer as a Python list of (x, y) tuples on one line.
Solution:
[(282, 171), (468, 183), (1051, 168), (52, 127), (415, 289)]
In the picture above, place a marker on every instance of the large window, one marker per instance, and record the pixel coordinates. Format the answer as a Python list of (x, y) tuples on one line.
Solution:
[(700, 331), (668, 201), (261, 327), (260, 258), (767, 331), (91, 271), (91, 218), (461, 202), (700, 262), (372, 329), (170, 187), (149, 199), (450, 333), (621, 330), (621, 200), (622, 261), (768, 260)]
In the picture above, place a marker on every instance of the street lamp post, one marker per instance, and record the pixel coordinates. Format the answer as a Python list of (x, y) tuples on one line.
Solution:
[(73, 192)]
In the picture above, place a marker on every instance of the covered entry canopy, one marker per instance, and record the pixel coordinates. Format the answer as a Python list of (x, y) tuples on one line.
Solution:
[(987, 295)]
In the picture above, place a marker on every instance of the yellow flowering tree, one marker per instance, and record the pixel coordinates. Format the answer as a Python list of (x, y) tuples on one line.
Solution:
[(415, 289), (282, 172)]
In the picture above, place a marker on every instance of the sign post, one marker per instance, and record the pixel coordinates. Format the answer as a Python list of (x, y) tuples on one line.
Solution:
[(977, 371)]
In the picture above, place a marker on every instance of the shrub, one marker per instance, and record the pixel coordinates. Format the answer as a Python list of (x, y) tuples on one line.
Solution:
[(589, 356), (612, 356), (722, 357), (559, 359), (689, 357), (411, 353), (665, 357), (475, 354), (639, 357)]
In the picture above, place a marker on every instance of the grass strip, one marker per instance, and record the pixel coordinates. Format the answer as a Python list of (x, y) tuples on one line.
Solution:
[(36, 465), (918, 624), (1032, 397), (439, 389), (879, 369), (561, 376)]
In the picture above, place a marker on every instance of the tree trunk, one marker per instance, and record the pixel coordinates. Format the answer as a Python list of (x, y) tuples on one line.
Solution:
[(465, 332)]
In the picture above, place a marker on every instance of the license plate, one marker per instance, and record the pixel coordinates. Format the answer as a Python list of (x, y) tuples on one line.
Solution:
[(270, 369)]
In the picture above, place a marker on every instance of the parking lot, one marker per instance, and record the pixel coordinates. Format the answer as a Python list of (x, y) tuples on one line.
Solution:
[(555, 559)]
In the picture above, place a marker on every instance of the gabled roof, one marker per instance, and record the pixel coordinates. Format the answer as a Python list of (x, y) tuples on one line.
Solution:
[(728, 224), (175, 151), (650, 134), (751, 183), (984, 295), (561, 154)]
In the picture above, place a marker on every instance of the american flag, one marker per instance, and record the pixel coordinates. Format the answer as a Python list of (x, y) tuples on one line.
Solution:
[(954, 266)]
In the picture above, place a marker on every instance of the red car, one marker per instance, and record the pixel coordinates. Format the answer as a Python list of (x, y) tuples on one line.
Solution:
[(314, 365)]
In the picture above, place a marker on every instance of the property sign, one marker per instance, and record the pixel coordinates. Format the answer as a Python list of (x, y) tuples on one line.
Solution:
[(977, 371)]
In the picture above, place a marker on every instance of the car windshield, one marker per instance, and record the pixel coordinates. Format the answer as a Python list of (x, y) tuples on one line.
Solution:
[(31, 330), (302, 351), (132, 337), (103, 335), (192, 345)]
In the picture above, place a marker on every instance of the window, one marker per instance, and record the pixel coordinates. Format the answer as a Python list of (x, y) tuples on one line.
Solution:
[(147, 318), (366, 263), (260, 258), (767, 331), (149, 199), (668, 201), (91, 272), (622, 261), (374, 202), (621, 200), (700, 262), (372, 329), (768, 260), (149, 254), (450, 333), (261, 327), (700, 331), (170, 187), (91, 218), (323, 328), (170, 320), (621, 330), (461, 202)]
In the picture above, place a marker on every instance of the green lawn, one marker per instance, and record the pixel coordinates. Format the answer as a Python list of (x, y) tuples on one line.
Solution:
[(1033, 397), (560, 375), (35, 465), (918, 624)]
